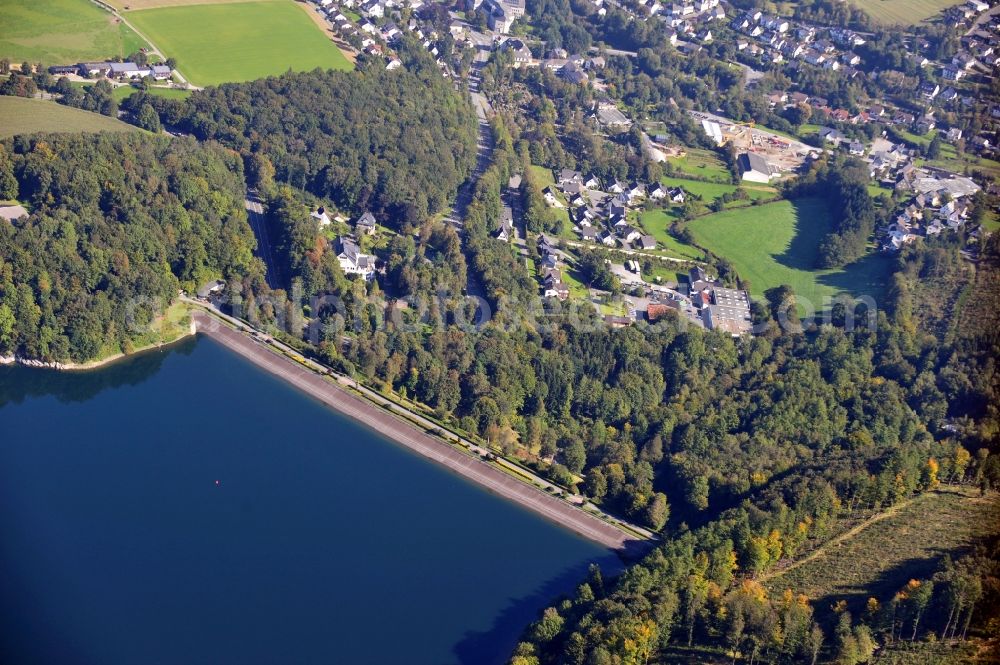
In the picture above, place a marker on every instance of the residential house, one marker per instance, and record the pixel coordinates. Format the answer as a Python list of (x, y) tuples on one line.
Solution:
[(657, 192), (549, 195), (832, 135), (366, 224), (353, 262), (569, 176), (951, 73), (505, 232), (321, 217)]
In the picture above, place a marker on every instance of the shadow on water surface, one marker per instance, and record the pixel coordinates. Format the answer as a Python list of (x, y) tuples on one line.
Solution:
[(18, 383), (494, 646)]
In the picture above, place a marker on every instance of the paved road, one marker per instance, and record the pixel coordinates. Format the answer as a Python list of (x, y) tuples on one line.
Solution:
[(373, 411), (255, 214), (484, 154)]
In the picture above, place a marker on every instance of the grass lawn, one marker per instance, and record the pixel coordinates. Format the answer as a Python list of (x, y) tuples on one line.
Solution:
[(710, 191), (808, 128), (173, 324), (776, 243), (876, 191), (702, 163), (903, 12), (132, 5), (992, 221), (545, 179), (62, 32), (239, 41), (916, 140), (950, 161), (577, 289), (949, 158), (25, 116), (125, 91), (657, 223), (881, 556)]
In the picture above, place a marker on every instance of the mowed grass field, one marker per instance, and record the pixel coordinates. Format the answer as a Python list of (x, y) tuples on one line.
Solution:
[(880, 556), (701, 163), (903, 12), (25, 116), (130, 5), (776, 243), (62, 32), (216, 43), (709, 191), (657, 223)]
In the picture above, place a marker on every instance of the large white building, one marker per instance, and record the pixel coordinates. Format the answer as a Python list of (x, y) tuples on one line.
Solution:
[(503, 13), (754, 168), (714, 131)]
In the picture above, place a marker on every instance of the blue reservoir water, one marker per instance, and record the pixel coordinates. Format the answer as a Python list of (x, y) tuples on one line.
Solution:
[(185, 507)]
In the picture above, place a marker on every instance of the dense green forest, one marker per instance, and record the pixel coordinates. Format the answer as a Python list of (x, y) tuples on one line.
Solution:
[(119, 223), (777, 438), (397, 143), (844, 185), (744, 452)]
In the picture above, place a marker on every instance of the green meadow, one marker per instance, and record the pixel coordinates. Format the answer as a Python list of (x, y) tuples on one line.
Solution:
[(701, 163), (903, 12), (710, 191), (26, 116), (239, 41), (777, 243)]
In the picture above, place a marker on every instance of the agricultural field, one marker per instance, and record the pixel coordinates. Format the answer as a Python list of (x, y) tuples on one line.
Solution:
[(776, 243), (903, 12), (216, 43), (133, 5), (877, 557), (62, 32), (24, 116)]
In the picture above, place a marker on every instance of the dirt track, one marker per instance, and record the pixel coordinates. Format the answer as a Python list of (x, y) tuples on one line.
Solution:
[(410, 436)]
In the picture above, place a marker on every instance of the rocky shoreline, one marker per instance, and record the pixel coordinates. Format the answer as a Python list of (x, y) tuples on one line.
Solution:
[(93, 364)]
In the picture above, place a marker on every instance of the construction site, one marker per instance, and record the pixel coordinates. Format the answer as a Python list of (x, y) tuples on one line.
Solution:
[(782, 153)]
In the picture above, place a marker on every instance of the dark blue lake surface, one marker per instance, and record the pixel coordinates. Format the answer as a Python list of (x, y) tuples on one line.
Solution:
[(321, 543)]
